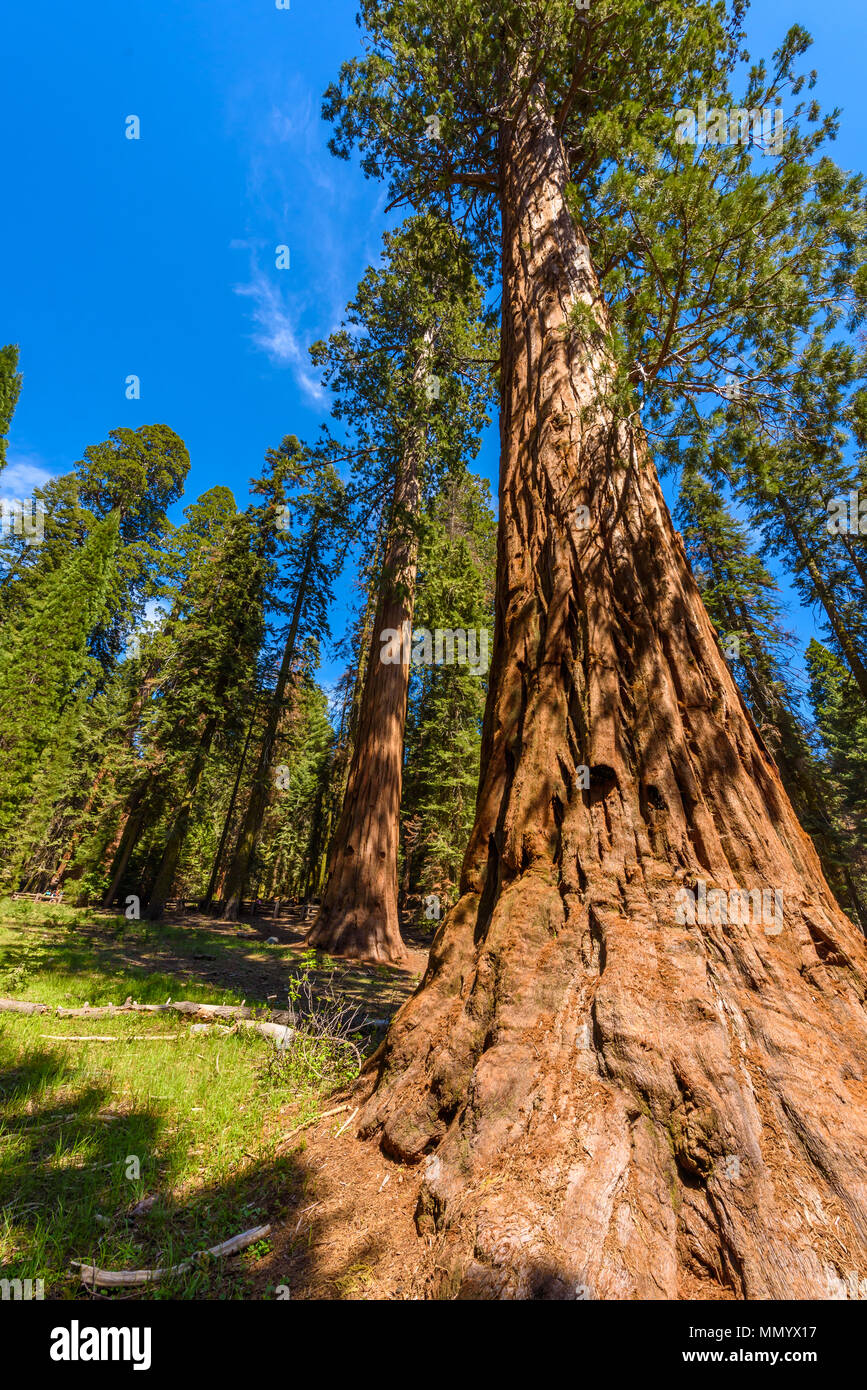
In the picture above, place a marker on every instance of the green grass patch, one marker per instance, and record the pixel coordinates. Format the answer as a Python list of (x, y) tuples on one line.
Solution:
[(89, 1129)]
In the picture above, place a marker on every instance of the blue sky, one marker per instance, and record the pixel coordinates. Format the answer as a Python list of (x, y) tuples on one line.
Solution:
[(156, 257)]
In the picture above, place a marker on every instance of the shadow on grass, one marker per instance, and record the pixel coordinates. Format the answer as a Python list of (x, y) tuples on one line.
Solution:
[(69, 1191), (67, 1194), (154, 960)]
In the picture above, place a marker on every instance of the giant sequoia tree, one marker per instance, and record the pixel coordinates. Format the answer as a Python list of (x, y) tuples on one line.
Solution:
[(408, 372), (607, 1093)]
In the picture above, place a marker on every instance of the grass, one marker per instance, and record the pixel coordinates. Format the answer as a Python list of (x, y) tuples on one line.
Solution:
[(90, 1129)]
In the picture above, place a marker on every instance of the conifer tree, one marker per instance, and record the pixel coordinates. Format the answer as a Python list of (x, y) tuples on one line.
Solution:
[(308, 531), (219, 630), (138, 473), (208, 638), (45, 672), (842, 725), (741, 599), (10, 389), (457, 564), (620, 772), (410, 374)]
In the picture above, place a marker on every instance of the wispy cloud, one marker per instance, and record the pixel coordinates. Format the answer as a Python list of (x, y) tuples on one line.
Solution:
[(297, 195), (22, 475), (276, 332)]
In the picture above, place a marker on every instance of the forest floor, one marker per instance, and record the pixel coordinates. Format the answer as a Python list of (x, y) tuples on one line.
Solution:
[(139, 1152)]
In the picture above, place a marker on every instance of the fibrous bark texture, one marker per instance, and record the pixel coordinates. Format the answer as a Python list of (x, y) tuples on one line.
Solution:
[(359, 917), (612, 1101)]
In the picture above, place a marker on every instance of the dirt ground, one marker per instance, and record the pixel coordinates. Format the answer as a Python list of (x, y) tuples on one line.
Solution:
[(351, 1233)]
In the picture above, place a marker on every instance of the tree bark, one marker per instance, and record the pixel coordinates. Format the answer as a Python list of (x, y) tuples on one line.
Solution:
[(610, 1104), (358, 916), (132, 826)]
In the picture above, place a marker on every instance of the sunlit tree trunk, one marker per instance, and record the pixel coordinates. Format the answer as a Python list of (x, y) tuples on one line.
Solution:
[(358, 916), (611, 1102)]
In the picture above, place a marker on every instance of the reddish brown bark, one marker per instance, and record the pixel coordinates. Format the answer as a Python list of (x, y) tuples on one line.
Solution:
[(610, 1104), (358, 916)]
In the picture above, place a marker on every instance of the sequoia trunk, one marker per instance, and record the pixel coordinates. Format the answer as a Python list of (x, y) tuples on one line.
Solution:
[(358, 916), (611, 1100)]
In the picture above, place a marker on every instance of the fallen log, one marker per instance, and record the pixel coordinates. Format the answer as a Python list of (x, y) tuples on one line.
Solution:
[(183, 1006), (280, 1025), (111, 1037), (94, 1278)]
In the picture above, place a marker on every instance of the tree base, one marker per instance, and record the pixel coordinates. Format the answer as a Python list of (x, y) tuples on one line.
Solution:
[(357, 933), (614, 1106)]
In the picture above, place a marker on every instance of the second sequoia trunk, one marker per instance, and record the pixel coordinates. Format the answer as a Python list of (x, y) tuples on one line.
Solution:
[(621, 1084), (359, 916)]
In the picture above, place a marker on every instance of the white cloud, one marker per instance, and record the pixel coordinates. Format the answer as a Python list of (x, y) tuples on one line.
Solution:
[(22, 474), (277, 334)]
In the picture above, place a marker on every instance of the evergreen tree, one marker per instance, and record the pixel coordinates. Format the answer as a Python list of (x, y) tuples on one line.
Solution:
[(289, 850), (201, 672), (307, 532), (207, 681), (45, 673), (138, 473), (619, 769), (797, 489), (842, 725), (457, 564), (410, 375), (741, 599), (10, 389)]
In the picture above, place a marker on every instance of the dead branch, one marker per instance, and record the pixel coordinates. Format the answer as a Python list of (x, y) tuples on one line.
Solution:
[(111, 1037), (314, 1120), (94, 1278)]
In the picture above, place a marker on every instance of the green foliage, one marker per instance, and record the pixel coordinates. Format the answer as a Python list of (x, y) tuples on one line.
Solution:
[(742, 599), (46, 674), (842, 725), (457, 566), (135, 473), (10, 389), (410, 367)]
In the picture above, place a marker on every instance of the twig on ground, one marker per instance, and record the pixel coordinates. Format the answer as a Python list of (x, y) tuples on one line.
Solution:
[(314, 1120), (94, 1278), (347, 1122)]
